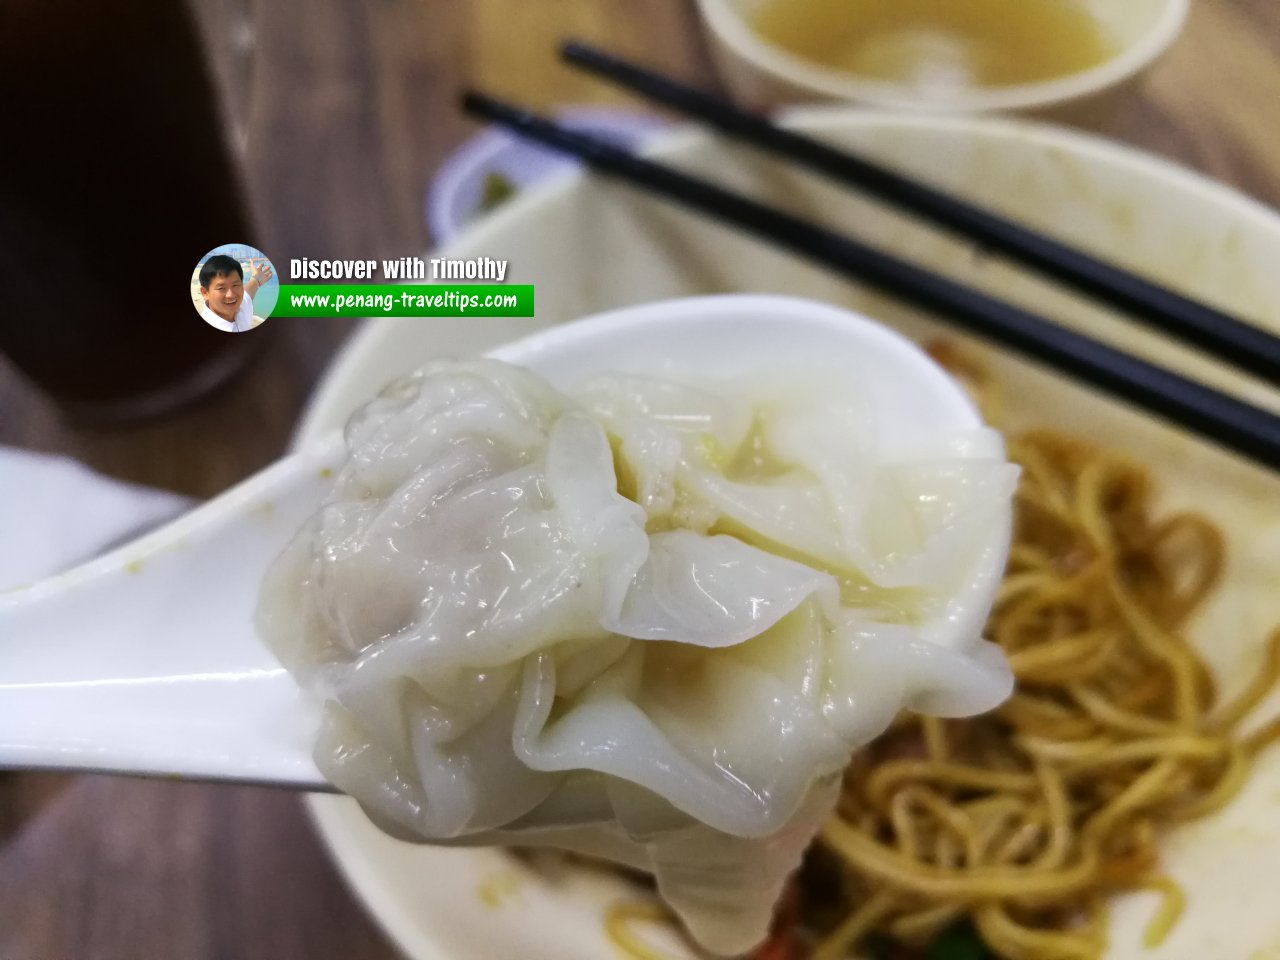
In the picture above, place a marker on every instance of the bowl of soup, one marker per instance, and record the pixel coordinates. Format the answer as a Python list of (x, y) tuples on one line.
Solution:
[(1066, 59)]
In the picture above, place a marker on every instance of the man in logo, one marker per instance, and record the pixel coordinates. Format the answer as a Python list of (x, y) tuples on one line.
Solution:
[(228, 300)]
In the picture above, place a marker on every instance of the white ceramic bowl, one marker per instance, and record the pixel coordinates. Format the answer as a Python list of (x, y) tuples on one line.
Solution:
[(590, 245), (456, 192), (764, 75)]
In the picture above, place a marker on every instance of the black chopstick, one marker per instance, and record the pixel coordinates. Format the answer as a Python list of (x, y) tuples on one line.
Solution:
[(1220, 418), (1248, 347)]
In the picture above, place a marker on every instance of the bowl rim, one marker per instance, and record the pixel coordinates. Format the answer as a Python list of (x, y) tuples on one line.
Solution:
[(814, 119), (729, 28)]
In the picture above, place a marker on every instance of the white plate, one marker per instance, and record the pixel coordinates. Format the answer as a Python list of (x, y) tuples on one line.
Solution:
[(589, 245)]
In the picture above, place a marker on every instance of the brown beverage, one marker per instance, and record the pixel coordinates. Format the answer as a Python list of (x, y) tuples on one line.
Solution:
[(115, 178)]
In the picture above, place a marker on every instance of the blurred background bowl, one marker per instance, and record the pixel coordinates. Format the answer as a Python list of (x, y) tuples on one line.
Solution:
[(763, 75), (463, 188)]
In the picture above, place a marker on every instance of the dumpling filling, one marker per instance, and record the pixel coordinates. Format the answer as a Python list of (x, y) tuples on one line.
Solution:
[(647, 622)]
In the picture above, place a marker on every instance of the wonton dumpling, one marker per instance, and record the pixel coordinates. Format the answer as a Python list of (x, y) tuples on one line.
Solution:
[(512, 651)]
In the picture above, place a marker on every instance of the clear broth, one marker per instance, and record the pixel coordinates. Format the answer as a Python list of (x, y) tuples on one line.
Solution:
[(939, 43)]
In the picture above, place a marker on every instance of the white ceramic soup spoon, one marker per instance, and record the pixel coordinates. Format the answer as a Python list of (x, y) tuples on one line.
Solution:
[(145, 660)]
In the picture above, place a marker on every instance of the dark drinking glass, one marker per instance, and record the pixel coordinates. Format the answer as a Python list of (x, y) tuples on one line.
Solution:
[(116, 176)]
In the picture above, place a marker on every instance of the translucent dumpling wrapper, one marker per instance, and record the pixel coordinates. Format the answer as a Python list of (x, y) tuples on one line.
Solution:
[(647, 622)]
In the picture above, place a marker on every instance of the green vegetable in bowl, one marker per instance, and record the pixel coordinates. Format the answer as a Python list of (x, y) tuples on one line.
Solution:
[(497, 190), (960, 941)]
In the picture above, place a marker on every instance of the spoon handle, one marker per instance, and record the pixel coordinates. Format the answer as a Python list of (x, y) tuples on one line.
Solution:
[(145, 660)]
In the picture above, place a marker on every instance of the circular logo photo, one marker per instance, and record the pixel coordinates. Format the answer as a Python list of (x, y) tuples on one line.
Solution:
[(234, 287)]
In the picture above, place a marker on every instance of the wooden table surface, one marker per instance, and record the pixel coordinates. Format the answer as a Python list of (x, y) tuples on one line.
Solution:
[(352, 108)]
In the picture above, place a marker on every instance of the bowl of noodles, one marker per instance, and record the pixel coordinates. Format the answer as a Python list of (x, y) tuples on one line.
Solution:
[(1125, 801)]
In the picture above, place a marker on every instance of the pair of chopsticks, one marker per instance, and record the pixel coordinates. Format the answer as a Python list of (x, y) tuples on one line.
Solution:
[(1218, 417)]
